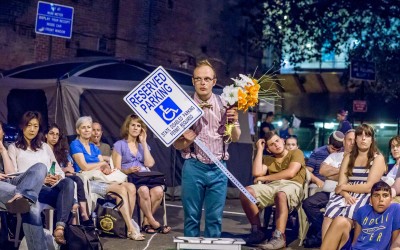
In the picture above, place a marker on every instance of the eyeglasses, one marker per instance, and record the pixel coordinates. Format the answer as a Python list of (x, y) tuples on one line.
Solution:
[(205, 79)]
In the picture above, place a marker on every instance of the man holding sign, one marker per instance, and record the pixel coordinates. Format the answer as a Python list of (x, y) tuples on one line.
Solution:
[(202, 180)]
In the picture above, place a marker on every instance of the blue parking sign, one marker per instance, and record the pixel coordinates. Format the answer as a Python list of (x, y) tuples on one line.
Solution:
[(54, 19)]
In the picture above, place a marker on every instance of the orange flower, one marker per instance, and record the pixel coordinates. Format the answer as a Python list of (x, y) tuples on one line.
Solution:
[(242, 99)]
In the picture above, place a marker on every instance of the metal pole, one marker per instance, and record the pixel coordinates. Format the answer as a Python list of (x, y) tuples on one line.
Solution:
[(173, 172), (50, 47)]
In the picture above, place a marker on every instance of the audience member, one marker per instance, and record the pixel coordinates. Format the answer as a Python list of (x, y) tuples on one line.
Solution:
[(394, 146), (30, 150), (376, 225), (132, 154), (285, 131), (87, 157), (283, 174), (97, 133), (20, 195), (203, 182), (335, 144), (359, 171), (344, 125), (267, 125), (313, 204), (291, 143), (57, 143)]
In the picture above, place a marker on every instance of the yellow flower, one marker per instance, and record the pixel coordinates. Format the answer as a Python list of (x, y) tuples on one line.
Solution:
[(242, 99)]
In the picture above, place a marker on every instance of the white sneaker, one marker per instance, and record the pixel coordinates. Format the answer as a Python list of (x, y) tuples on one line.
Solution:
[(276, 242)]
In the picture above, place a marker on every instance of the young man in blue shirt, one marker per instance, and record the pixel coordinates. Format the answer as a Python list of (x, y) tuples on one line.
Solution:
[(377, 225)]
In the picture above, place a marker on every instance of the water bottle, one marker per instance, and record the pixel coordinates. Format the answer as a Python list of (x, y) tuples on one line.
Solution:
[(94, 218), (52, 170)]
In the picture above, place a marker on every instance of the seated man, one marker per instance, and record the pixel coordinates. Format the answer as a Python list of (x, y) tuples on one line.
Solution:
[(312, 206), (97, 133), (283, 174)]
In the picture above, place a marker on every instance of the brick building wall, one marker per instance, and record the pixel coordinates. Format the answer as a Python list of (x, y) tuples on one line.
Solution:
[(172, 33)]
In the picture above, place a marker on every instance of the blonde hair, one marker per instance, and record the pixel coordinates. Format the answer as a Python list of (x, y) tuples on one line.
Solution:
[(125, 125), (205, 62)]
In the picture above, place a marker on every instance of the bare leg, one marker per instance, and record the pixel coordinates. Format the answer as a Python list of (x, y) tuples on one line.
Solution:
[(131, 193), (338, 233), (124, 209), (156, 195), (325, 225), (145, 206), (282, 211), (251, 210)]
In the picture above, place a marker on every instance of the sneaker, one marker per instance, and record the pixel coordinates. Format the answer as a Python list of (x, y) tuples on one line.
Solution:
[(276, 242), (255, 238)]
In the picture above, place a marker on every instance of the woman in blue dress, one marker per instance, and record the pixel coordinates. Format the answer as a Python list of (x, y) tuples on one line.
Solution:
[(132, 154), (359, 171)]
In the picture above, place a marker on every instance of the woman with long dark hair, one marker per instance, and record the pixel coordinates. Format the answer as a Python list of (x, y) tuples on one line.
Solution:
[(57, 143), (359, 171), (28, 150)]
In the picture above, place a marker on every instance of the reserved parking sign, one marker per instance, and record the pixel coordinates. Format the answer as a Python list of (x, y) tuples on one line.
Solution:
[(163, 106)]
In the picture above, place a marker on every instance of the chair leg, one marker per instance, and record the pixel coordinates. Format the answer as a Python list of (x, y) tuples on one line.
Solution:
[(165, 211), (18, 230), (303, 225), (138, 211)]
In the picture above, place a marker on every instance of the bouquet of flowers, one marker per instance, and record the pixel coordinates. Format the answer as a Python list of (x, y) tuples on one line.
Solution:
[(245, 93)]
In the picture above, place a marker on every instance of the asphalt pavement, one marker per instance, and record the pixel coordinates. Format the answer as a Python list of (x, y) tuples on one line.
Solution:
[(234, 225)]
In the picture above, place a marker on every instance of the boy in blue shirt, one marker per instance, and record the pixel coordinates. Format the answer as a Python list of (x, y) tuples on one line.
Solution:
[(376, 225)]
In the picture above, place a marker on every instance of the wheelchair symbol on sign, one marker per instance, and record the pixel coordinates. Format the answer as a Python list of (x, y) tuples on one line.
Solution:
[(168, 111)]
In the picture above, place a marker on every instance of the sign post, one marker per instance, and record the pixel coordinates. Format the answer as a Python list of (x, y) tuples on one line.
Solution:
[(168, 111)]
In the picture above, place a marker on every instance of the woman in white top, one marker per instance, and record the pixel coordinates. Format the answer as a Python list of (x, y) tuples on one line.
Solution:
[(28, 150)]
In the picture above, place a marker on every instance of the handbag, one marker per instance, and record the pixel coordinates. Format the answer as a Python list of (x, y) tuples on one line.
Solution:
[(82, 237), (116, 176), (109, 219), (151, 178)]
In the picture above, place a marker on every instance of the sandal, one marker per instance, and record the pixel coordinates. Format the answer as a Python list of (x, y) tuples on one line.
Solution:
[(18, 204), (148, 229), (135, 236), (59, 237), (163, 229)]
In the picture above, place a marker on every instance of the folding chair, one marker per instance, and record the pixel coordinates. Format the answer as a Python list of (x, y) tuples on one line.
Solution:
[(49, 221), (303, 221), (302, 217)]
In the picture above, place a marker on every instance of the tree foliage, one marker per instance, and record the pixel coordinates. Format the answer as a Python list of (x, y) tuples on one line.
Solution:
[(304, 30)]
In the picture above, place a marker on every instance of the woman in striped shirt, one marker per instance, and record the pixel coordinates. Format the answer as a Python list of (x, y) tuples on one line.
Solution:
[(359, 171)]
